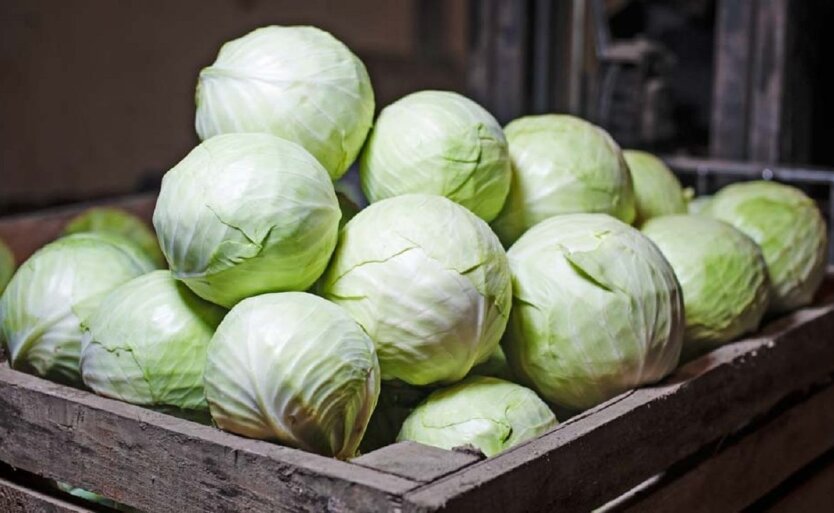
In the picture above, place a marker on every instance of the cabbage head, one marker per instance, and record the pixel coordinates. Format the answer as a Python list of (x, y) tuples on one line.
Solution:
[(146, 344), (488, 413), (299, 83), (699, 205), (294, 368), (117, 222), (597, 310), (722, 274), (438, 142), (396, 401), (657, 191), (562, 164), (7, 265), (245, 214), (428, 281), (54, 291), (789, 228)]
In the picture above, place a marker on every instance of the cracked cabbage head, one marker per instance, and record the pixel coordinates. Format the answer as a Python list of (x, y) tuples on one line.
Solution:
[(245, 214), (146, 344), (562, 164), (657, 191), (7, 265), (294, 368), (118, 222), (597, 310), (428, 281), (438, 142), (722, 274), (54, 291), (789, 228), (488, 413), (299, 83)]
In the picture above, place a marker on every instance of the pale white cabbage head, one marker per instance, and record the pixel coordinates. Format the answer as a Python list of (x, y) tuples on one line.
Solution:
[(722, 274), (657, 191), (428, 281), (294, 368), (597, 310), (7, 265), (54, 291), (789, 228), (438, 142), (488, 413), (146, 344), (299, 83), (245, 214), (561, 165)]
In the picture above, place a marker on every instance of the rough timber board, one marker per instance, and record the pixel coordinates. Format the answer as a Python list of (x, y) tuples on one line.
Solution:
[(15, 498), (416, 461), (743, 471), (603, 453), (164, 464)]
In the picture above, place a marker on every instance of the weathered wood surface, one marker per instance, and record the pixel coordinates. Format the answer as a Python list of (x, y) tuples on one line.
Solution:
[(601, 454), (813, 494), (742, 472), (15, 498), (416, 461), (26, 233), (161, 463)]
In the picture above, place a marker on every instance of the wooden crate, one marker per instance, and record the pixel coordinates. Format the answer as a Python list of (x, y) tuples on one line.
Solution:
[(724, 432)]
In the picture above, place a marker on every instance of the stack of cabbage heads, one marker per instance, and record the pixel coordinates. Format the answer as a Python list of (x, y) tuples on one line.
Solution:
[(597, 310), (298, 83), (789, 228), (438, 142), (561, 165), (54, 291)]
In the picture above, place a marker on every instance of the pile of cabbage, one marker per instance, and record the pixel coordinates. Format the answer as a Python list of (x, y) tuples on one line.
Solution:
[(498, 277)]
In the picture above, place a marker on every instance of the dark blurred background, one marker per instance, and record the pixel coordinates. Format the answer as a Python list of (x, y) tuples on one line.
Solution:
[(96, 96)]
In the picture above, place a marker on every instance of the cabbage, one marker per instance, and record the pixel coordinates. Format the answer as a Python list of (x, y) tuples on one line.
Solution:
[(699, 205), (117, 222), (496, 366), (562, 164), (597, 310), (7, 265), (722, 274), (146, 344), (438, 142), (428, 281), (396, 402), (488, 413), (53, 292), (299, 83), (294, 368), (657, 191), (245, 214), (789, 228)]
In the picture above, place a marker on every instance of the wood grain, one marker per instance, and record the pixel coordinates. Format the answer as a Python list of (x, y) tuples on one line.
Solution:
[(15, 498), (415, 461)]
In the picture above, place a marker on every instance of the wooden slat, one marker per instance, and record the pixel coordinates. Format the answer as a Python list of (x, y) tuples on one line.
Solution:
[(164, 464), (603, 453), (15, 498), (814, 494), (416, 461), (26, 233), (743, 472)]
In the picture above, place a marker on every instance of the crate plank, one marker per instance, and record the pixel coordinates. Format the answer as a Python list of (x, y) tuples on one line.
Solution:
[(416, 461), (603, 453), (26, 233), (164, 464), (744, 471), (814, 494), (15, 498)]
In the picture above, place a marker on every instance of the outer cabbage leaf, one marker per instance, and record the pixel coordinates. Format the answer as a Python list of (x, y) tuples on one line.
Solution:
[(657, 191), (116, 221), (7, 265)]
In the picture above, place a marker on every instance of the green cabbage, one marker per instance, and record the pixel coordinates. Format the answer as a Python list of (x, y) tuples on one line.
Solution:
[(438, 142), (789, 228), (396, 402), (488, 413), (117, 222), (299, 83), (428, 281), (7, 265), (294, 368), (245, 214), (562, 164), (146, 344), (722, 274), (54, 291), (496, 366), (657, 191), (699, 205), (597, 310)]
